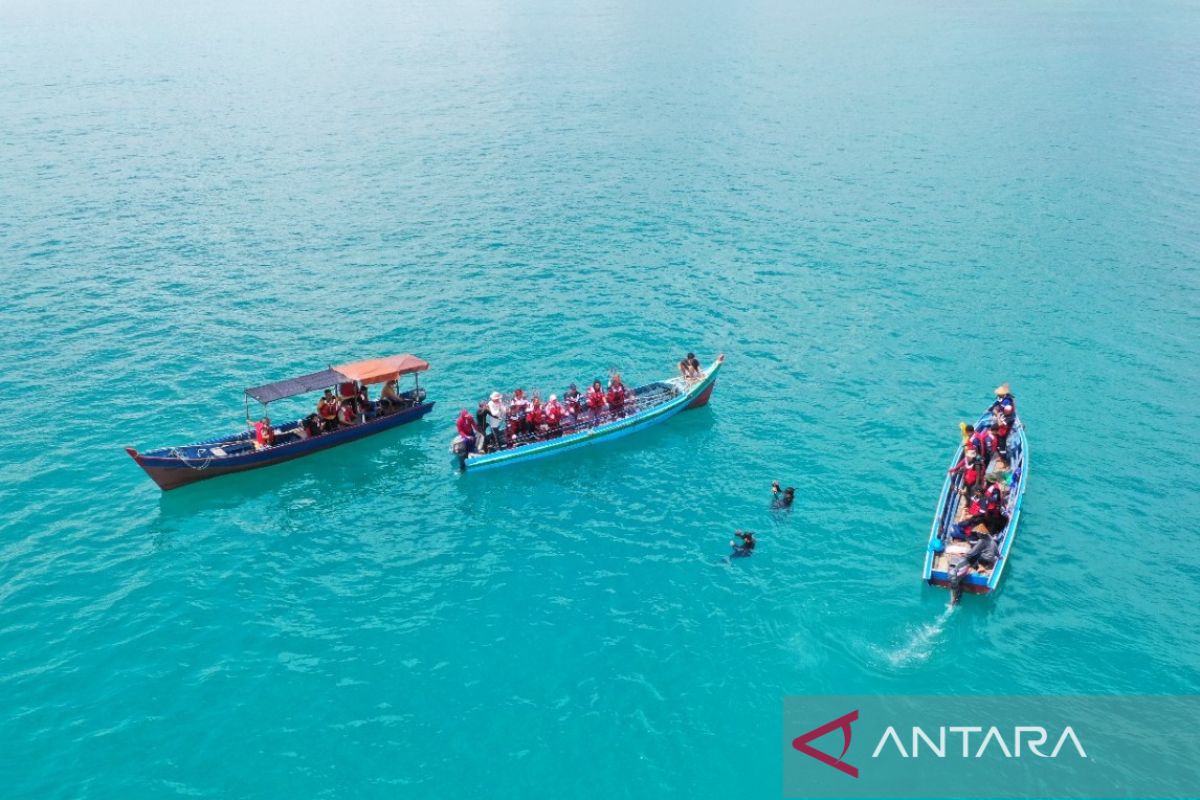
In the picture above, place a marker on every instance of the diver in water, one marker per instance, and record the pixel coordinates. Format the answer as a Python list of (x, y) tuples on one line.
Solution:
[(747, 544), (781, 498)]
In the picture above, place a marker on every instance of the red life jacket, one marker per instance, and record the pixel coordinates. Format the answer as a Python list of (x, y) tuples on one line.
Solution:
[(616, 395), (993, 499), (984, 443), (264, 434), (554, 413), (346, 413), (537, 415), (595, 398)]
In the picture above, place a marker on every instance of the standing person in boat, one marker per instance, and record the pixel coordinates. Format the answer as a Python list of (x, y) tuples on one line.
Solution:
[(536, 417), (554, 416), (264, 434), (497, 419), (327, 410), (481, 426), (746, 546), (466, 430), (782, 498), (617, 394), (572, 403), (363, 400), (983, 442), (689, 368), (595, 401), (518, 411), (971, 468)]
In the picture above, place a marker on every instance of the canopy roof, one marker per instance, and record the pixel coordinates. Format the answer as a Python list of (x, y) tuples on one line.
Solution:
[(373, 370), (378, 370), (293, 386)]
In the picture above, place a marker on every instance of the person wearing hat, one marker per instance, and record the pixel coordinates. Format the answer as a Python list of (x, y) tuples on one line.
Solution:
[(1005, 404), (497, 414)]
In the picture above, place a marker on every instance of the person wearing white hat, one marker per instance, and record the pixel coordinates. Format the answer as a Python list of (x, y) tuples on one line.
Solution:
[(554, 413), (497, 416)]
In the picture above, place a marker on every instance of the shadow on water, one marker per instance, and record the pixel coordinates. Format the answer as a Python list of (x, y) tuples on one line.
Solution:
[(349, 469)]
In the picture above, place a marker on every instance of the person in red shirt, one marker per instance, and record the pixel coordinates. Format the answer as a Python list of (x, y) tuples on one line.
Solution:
[(595, 401), (518, 411), (554, 415), (616, 396), (466, 429), (264, 434), (536, 417)]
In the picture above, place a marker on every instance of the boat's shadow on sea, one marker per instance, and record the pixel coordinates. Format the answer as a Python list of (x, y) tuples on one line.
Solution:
[(339, 475)]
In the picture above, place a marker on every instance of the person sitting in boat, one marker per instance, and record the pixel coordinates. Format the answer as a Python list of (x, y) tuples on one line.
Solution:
[(572, 403), (782, 498), (595, 401), (984, 553), (554, 415), (264, 434), (988, 509), (327, 410), (746, 546), (311, 425), (536, 417), (689, 368), (1005, 404), (389, 397), (362, 400), (970, 466), (497, 419), (347, 413), (616, 396), (518, 411), (466, 430)]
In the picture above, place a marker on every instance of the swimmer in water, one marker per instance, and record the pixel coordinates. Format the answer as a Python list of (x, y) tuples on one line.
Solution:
[(782, 498), (747, 545)]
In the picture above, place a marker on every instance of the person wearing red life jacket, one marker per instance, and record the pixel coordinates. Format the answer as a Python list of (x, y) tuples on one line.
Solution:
[(984, 443), (554, 415), (988, 509), (970, 466), (595, 401), (347, 414), (327, 410), (1000, 429), (518, 411), (616, 396), (536, 416), (264, 434)]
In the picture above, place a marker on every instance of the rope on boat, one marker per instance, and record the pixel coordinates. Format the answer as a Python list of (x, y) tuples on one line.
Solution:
[(175, 451)]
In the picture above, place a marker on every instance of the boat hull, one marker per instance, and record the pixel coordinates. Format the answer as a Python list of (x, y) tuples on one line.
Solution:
[(170, 468), (975, 583), (693, 396)]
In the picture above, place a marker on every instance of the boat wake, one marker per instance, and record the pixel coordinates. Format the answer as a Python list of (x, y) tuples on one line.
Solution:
[(921, 641)]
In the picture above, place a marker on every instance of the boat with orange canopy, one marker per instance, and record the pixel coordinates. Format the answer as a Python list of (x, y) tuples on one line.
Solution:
[(256, 447)]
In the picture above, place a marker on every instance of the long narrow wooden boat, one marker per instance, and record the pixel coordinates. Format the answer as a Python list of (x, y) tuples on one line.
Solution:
[(944, 554), (654, 403), (176, 466)]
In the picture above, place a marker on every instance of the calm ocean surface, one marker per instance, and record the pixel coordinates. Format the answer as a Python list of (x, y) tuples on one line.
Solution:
[(878, 211)]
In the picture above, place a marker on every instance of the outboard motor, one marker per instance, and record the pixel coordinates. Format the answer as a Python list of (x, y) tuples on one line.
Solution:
[(957, 573)]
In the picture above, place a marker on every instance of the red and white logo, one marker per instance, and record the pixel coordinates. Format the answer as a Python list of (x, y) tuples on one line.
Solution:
[(801, 743)]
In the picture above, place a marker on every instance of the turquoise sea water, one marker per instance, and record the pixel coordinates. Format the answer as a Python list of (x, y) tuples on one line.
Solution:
[(878, 211)]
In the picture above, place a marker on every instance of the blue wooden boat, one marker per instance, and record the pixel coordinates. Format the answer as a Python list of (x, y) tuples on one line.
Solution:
[(943, 557), (653, 403), (170, 467)]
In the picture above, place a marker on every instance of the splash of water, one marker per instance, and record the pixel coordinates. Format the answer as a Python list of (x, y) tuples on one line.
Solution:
[(921, 641)]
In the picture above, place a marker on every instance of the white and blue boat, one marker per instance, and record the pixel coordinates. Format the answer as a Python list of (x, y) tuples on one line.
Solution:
[(944, 556), (653, 403)]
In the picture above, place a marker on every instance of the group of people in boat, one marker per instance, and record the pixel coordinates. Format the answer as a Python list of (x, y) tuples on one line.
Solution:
[(352, 405), (985, 470), (505, 421)]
